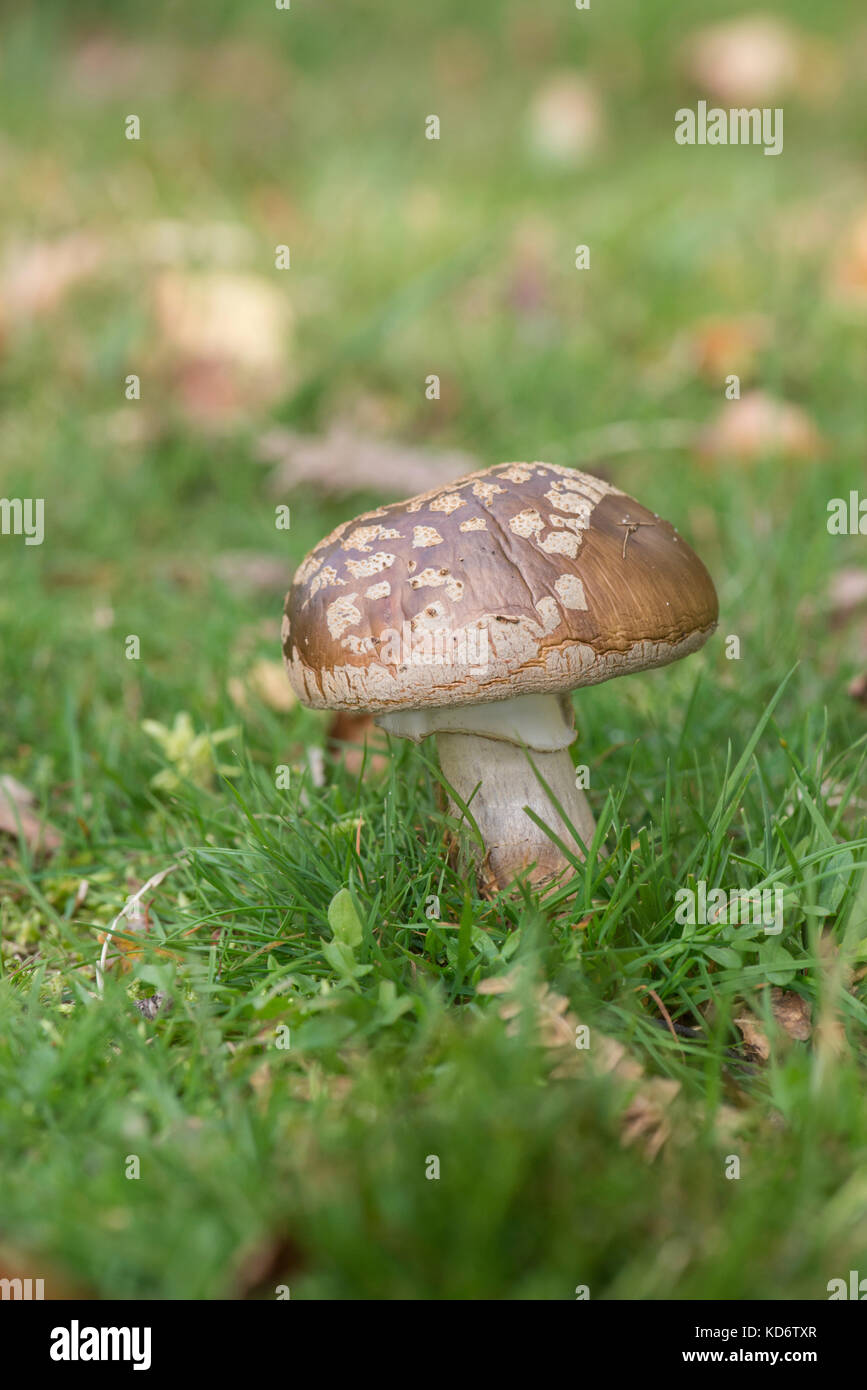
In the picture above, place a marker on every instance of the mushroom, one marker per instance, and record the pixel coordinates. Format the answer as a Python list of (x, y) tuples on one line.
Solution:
[(470, 613)]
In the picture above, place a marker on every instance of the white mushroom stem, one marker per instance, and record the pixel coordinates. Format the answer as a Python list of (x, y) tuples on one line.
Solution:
[(506, 784), (483, 752)]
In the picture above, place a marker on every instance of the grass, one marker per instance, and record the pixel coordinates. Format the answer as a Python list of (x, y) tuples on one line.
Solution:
[(303, 914)]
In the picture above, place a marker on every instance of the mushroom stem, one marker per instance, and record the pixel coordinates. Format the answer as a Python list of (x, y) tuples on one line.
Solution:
[(497, 780)]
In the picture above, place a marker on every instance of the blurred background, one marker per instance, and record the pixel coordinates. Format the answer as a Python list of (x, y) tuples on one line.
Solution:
[(409, 258), (244, 308)]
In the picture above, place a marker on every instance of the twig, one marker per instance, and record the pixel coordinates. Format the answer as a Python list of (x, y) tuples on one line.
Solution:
[(662, 1009), (631, 528)]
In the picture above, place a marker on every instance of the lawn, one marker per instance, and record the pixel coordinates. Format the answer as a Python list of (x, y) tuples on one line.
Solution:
[(367, 1078)]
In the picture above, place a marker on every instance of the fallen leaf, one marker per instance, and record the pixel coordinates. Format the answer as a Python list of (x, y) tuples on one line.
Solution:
[(225, 339), (757, 426), (240, 318), (720, 347), (647, 1117), (351, 736), (646, 1100), (498, 984), (268, 682), (261, 1267), (37, 277), (755, 1042), (104, 65), (16, 1264), (754, 59), (565, 121), (848, 272), (343, 462), (857, 689), (212, 394), (847, 592), (17, 818), (792, 1013)]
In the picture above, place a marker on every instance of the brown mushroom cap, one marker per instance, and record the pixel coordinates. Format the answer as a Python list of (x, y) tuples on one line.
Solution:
[(525, 577)]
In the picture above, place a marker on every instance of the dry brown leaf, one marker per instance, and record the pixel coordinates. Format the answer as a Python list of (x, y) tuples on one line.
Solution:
[(37, 277), (268, 682), (847, 592), (16, 1264), (261, 1267), (753, 60), (343, 462), (346, 731), (213, 395), (238, 318), (17, 817), (792, 1013), (105, 65), (728, 1122), (498, 984), (848, 273), (857, 689), (757, 425), (720, 347), (648, 1117), (756, 1044), (225, 338), (566, 122), (644, 1114)]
